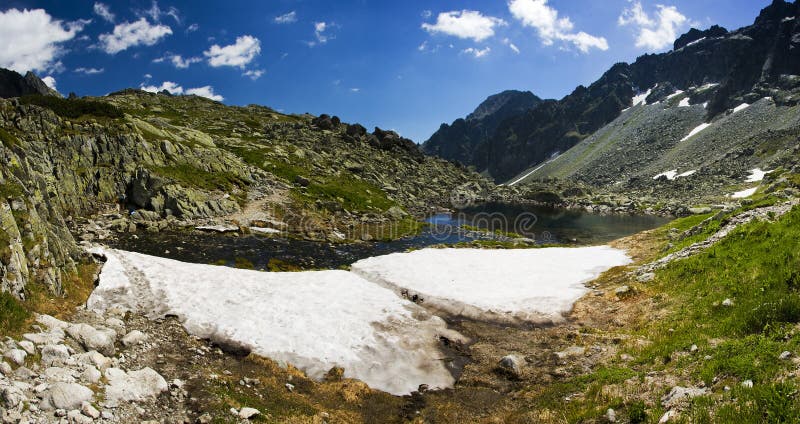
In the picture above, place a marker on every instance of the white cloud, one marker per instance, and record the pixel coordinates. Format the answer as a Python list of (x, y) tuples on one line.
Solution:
[(478, 53), (89, 71), (50, 82), (206, 91), (239, 54), (102, 10), (155, 13), (32, 38), (182, 63), (511, 45), (654, 33), (426, 14), (286, 18), (322, 37), (469, 24), (148, 76), (355, 89), (537, 14), (131, 34), (192, 28), (254, 74)]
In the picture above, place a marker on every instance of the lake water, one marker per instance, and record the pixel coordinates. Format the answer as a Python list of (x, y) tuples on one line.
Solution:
[(545, 225)]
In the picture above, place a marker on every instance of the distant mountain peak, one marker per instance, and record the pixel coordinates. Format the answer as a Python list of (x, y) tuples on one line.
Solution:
[(495, 102), (12, 84)]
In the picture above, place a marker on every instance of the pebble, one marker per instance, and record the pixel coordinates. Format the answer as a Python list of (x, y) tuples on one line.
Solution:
[(785, 355), (748, 384), (727, 302), (247, 413), (611, 415)]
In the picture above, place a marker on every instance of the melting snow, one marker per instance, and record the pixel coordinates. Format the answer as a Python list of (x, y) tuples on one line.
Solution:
[(676, 93), (687, 173), (756, 175), (742, 106), (264, 230), (707, 86), (744, 193), (511, 286), (695, 41), (696, 130), (641, 98), (684, 102), (313, 320), (788, 18), (669, 174)]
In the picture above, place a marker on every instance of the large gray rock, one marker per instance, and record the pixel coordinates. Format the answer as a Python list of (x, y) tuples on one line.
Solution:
[(679, 394), (54, 354), (16, 356), (101, 340), (65, 396), (133, 386), (12, 396), (511, 365)]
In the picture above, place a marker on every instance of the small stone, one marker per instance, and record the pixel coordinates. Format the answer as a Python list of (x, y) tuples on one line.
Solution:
[(747, 384), (204, 419), (611, 415), (5, 369), (54, 355), (91, 374), (16, 356), (678, 394), (668, 416), (12, 396), (106, 415), (693, 348), (727, 302), (571, 352), (289, 387), (89, 410), (66, 396), (622, 291), (101, 340), (28, 347), (511, 365), (135, 337), (646, 277), (785, 355), (246, 413)]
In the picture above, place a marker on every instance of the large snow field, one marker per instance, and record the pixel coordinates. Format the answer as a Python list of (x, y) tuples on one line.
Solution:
[(313, 320), (506, 285)]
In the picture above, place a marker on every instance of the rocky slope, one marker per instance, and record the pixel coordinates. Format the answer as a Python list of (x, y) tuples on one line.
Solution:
[(748, 63), (156, 160)]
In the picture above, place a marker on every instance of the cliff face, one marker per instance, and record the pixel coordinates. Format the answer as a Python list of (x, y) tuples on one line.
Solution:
[(747, 63)]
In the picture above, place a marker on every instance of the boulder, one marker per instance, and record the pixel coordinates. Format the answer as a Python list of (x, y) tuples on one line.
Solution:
[(65, 396), (101, 340), (133, 386), (133, 338), (511, 365), (16, 356)]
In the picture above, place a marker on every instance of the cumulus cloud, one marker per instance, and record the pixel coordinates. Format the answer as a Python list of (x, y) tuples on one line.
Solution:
[(537, 14), (469, 24), (253, 74), (238, 54), (654, 33), (32, 39), (131, 34), (155, 13), (286, 18), (89, 71), (179, 61), (102, 10), (50, 82), (477, 53), (206, 91)]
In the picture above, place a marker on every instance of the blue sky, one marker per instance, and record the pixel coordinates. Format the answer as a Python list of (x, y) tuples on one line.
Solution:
[(402, 65)]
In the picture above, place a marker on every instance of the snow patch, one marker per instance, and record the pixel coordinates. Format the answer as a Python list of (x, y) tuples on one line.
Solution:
[(744, 193), (741, 107), (684, 102), (508, 286), (695, 42), (313, 320), (696, 130), (687, 173), (642, 97), (707, 86), (787, 19), (756, 175), (676, 93), (671, 174), (264, 230)]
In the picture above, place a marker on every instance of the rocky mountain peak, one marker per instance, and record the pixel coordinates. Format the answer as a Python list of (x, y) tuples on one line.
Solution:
[(695, 34), (12, 84), (778, 10), (517, 99)]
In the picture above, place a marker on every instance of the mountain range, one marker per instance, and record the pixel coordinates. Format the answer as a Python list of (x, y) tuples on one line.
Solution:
[(735, 67)]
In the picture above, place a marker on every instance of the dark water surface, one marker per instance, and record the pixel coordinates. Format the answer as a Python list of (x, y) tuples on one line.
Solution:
[(545, 225)]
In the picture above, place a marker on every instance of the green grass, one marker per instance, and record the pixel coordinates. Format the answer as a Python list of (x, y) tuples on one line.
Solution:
[(73, 108), (8, 139), (192, 176), (758, 266), (13, 314), (354, 194)]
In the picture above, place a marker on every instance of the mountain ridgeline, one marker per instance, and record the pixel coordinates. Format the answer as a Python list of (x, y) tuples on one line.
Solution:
[(746, 64)]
